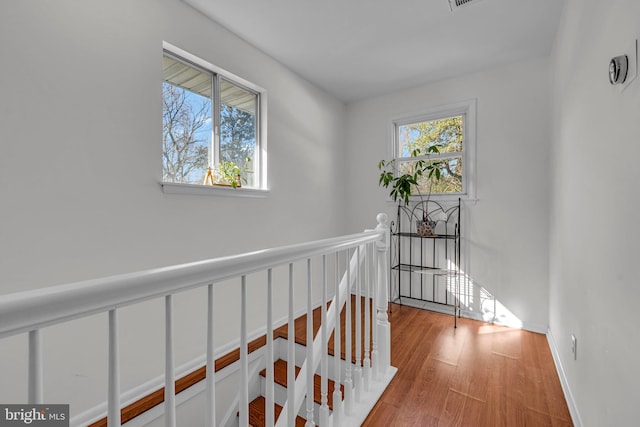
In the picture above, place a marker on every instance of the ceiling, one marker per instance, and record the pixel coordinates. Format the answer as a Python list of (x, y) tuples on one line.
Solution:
[(356, 49)]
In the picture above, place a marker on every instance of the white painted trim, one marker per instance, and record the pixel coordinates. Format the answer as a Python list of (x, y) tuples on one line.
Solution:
[(212, 190), (535, 327), (568, 395), (469, 108)]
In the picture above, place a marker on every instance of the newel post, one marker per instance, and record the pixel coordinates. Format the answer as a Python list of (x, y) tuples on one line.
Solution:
[(383, 327)]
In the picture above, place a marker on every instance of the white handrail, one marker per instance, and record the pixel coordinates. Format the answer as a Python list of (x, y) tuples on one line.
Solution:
[(25, 311), (30, 311)]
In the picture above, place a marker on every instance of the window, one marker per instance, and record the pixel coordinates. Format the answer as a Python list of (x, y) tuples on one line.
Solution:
[(210, 125), (451, 131)]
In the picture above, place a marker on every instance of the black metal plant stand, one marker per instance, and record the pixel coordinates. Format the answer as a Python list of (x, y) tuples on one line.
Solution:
[(425, 255)]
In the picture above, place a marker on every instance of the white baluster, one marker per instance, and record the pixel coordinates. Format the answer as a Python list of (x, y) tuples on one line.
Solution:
[(35, 387), (269, 387), (244, 360), (324, 361), (291, 358), (169, 374), (367, 319), (211, 362), (374, 323), (357, 375), (382, 298), (348, 382), (310, 401), (113, 402), (337, 394)]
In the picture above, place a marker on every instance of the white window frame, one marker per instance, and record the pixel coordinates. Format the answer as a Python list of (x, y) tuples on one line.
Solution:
[(467, 109), (260, 189)]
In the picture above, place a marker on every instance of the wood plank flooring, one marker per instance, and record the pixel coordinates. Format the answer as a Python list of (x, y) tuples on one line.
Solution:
[(476, 375)]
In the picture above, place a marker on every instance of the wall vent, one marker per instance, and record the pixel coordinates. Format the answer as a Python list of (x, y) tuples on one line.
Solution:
[(454, 4)]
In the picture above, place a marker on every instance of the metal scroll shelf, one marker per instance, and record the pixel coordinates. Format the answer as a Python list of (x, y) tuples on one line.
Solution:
[(425, 266)]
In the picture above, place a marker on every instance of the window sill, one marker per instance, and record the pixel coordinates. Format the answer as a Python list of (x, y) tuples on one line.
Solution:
[(209, 190)]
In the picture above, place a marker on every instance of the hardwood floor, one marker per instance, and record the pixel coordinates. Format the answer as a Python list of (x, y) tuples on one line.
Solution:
[(476, 375)]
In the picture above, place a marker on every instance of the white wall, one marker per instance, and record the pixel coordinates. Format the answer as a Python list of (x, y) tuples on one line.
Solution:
[(594, 234), (80, 166), (505, 243)]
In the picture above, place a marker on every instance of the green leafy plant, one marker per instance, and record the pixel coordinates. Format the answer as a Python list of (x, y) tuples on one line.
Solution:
[(230, 173), (403, 183)]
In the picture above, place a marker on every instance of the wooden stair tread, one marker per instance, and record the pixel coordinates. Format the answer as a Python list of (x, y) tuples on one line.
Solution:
[(280, 377), (257, 413), (300, 328)]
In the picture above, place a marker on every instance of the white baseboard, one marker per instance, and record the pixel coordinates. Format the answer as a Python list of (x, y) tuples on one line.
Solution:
[(573, 409)]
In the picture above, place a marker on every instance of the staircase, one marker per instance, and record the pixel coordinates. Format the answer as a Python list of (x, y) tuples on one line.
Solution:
[(257, 410), (357, 291)]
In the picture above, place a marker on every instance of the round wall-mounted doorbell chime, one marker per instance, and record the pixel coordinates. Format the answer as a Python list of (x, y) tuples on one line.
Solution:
[(618, 69)]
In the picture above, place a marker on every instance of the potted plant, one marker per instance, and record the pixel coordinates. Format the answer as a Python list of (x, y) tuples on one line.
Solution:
[(228, 174), (403, 182)]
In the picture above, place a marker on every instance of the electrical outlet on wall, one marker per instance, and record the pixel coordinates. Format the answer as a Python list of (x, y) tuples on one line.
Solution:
[(574, 347)]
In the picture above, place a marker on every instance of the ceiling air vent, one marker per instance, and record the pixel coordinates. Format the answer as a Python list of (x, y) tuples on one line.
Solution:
[(454, 4)]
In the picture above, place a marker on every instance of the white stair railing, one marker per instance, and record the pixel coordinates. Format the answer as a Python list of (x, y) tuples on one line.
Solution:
[(367, 324), (113, 399), (32, 311), (324, 357), (342, 297), (211, 369), (269, 387), (348, 383), (35, 368), (357, 374), (309, 360)]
